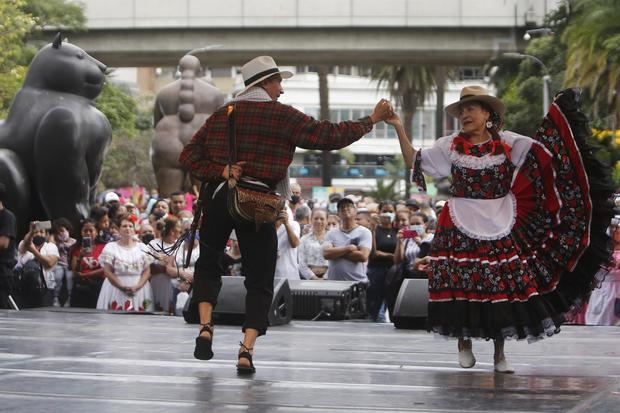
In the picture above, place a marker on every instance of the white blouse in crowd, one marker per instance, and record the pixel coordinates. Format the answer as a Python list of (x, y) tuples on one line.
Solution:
[(286, 264), (125, 260), (48, 249), (181, 256), (311, 255)]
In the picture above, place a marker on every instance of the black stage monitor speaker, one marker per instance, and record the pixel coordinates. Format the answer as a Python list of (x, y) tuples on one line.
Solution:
[(411, 308), (324, 299), (231, 303)]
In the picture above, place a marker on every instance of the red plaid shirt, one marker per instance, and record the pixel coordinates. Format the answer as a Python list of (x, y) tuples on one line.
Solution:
[(267, 134)]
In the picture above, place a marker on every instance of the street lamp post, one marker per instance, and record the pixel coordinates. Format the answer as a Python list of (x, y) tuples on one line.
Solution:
[(546, 76)]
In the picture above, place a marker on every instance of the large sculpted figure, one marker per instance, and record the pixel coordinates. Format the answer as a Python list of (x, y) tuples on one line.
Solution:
[(53, 141), (181, 108)]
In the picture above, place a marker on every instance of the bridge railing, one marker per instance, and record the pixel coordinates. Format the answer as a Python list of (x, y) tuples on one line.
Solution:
[(111, 14)]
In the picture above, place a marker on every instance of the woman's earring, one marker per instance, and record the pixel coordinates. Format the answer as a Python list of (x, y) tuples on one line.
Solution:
[(489, 124)]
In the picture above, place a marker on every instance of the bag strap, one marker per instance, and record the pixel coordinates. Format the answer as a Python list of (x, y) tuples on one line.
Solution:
[(232, 144), (41, 274)]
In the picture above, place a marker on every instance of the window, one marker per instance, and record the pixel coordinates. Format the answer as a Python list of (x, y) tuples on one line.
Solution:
[(470, 73)]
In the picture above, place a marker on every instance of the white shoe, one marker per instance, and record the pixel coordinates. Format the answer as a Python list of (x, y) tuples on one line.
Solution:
[(56, 302), (466, 358), (503, 367)]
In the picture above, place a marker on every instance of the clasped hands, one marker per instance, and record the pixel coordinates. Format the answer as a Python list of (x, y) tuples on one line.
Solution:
[(384, 111)]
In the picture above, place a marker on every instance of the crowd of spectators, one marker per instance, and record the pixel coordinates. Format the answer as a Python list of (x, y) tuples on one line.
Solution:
[(129, 256), (119, 259), (358, 239)]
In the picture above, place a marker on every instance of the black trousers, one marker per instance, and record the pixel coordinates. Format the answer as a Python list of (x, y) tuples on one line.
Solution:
[(258, 258)]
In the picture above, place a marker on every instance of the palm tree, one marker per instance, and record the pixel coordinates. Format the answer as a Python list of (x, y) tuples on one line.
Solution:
[(593, 40), (326, 156), (409, 86)]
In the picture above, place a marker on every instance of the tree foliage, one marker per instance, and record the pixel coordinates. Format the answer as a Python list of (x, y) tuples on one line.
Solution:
[(20, 20), (15, 24), (520, 86), (55, 13), (119, 107), (592, 37), (409, 86), (127, 161)]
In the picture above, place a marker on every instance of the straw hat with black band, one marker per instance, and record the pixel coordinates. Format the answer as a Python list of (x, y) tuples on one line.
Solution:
[(476, 94), (259, 69)]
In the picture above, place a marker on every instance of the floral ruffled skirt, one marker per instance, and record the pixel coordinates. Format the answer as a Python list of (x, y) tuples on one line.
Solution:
[(523, 284)]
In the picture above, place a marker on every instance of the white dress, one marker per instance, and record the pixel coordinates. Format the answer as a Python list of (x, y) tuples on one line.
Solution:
[(128, 264), (286, 264), (600, 311), (182, 296)]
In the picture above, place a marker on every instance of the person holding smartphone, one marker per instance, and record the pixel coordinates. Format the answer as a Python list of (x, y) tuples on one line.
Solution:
[(87, 271), (412, 246), (35, 250), (60, 235)]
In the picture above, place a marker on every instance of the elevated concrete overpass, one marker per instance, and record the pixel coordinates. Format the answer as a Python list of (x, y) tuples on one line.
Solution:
[(129, 33)]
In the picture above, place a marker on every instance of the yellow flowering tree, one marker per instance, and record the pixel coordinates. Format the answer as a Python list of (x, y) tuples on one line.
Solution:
[(609, 142)]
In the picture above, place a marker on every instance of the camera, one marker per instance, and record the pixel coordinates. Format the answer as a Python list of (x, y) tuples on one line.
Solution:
[(87, 243)]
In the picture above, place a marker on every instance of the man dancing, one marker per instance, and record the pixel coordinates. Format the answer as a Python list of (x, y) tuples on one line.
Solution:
[(267, 133)]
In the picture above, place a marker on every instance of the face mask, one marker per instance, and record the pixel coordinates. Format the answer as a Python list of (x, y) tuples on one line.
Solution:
[(147, 238), (389, 215), (38, 240), (417, 228), (295, 199), (63, 236)]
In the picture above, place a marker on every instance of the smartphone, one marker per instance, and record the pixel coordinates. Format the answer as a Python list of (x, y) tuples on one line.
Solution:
[(44, 225), (87, 243), (409, 233)]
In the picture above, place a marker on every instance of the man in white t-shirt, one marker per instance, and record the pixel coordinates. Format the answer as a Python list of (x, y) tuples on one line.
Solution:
[(289, 232), (348, 247)]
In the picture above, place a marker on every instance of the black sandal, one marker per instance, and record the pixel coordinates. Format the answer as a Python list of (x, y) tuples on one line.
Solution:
[(246, 355), (203, 350)]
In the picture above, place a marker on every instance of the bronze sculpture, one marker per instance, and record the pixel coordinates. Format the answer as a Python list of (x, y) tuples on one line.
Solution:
[(53, 141), (181, 108)]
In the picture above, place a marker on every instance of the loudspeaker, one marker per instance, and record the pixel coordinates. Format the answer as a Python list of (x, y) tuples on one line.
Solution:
[(333, 300), (411, 308), (230, 307)]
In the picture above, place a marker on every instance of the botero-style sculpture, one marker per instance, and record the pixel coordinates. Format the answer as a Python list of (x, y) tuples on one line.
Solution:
[(53, 141), (181, 108)]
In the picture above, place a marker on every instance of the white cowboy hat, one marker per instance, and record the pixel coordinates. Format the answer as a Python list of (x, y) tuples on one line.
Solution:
[(259, 69), (476, 94)]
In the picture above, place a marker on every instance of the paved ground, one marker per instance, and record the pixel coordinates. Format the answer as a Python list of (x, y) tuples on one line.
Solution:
[(52, 361)]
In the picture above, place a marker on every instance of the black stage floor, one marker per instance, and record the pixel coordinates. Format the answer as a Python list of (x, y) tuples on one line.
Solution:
[(70, 361)]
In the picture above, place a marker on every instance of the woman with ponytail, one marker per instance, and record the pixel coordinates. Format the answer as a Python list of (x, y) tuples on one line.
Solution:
[(518, 244)]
